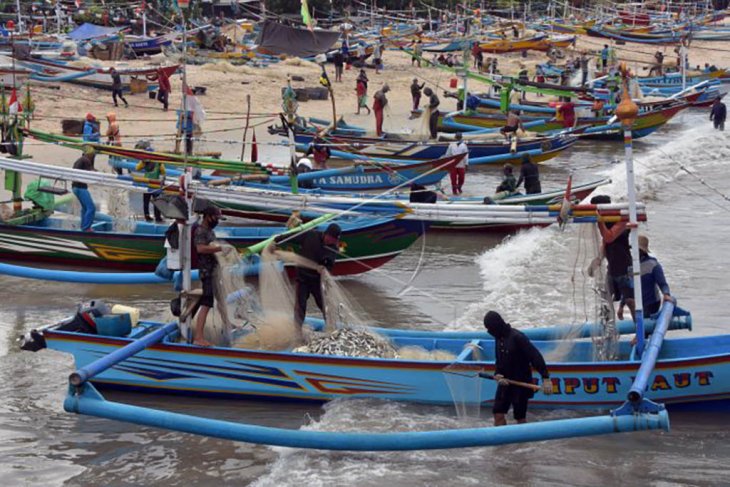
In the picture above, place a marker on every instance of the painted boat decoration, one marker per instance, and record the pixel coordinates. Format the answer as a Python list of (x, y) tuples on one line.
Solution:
[(147, 45), (366, 243)]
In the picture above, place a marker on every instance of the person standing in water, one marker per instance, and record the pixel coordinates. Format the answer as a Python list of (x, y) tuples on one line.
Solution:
[(515, 357), (530, 175), (81, 190), (458, 172), (718, 114)]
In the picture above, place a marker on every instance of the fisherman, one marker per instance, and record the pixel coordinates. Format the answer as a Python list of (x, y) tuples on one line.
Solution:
[(433, 105), (417, 53), (153, 171), (117, 87), (362, 92), (113, 138), (652, 282), (566, 112), (81, 190), (480, 61), (604, 56), (416, 93), (380, 101), (378, 56), (186, 126), (163, 88), (718, 114), (207, 264), (616, 249), (320, 152), (458, 172), (530, 174), (475, 51), (515, 356), (512, 124), (508, 186), (338, 59), (584, 62), (523, 77), (321, 249), (91, 129)]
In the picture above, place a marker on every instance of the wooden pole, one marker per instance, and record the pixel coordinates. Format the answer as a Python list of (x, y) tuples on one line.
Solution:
[(245, 129)]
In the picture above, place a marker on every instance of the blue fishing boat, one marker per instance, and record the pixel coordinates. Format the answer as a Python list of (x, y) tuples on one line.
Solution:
[(689, 371)]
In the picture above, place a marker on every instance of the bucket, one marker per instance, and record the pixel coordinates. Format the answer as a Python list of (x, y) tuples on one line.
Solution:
[(133, 313), (137, 85), (152, 95), (114, 325), (453, 82)]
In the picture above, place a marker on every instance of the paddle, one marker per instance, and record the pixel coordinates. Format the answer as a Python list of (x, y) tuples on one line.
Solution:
[(451, 370)]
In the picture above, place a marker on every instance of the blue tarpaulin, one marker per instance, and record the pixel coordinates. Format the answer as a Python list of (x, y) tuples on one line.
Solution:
[(91, 31)]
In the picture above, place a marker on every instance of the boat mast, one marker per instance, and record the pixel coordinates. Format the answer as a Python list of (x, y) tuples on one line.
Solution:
[(626, 112), (20, 17)]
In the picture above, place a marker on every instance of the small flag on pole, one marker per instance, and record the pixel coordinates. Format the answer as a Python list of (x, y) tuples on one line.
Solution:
[(14, 106)]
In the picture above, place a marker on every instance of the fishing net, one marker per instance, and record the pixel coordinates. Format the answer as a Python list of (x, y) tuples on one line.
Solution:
[(465, 385)]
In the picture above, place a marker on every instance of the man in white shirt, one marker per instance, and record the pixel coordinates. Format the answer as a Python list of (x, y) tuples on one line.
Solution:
[(458, 172)]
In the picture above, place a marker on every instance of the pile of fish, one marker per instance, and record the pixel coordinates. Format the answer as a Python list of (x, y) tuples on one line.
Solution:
[(348, 342)]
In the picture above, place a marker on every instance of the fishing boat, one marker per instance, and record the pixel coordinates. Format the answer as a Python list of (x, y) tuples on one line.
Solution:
[(49, 70), (367, 243), (395, 147), (142, 46), (538, 42), (682, 376)]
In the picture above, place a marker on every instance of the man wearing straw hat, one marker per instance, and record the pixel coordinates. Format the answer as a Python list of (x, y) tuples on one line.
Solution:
[(652, 282)]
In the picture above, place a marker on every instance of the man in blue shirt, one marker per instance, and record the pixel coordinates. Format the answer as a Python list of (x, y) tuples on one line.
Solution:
[(604, 56), (652, 281)]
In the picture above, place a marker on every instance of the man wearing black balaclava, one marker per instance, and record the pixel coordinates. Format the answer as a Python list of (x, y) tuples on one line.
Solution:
[(515, 356)]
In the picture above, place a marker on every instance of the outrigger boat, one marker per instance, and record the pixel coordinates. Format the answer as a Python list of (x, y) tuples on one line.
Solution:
[(96, 77), (394, 147)]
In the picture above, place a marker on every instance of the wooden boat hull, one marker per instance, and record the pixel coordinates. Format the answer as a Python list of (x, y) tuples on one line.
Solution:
[(689, 372), (539, 43), (366, 246)]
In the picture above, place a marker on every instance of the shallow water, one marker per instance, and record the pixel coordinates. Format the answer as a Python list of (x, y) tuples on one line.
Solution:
[(446, 281)]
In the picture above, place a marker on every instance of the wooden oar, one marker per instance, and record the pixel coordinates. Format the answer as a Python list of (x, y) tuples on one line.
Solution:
[(526, 385)]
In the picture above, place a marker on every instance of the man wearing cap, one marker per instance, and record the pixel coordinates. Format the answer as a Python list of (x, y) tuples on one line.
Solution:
[(515, 356), (321, 249), (207, 264), (652, 282)]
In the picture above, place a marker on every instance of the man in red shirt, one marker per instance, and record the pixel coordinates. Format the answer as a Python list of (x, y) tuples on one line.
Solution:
[(567, 113)]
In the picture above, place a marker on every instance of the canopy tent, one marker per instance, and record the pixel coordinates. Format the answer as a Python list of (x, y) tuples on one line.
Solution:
[(276, 38), (91, 31)]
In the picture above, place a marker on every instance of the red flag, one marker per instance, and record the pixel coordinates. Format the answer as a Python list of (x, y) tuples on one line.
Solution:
[(254, 148), (14, 105)]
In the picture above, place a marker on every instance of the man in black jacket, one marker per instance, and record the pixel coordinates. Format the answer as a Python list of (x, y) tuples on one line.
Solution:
[(530, 175), (718, 115), (515, 356), (321, 249)]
